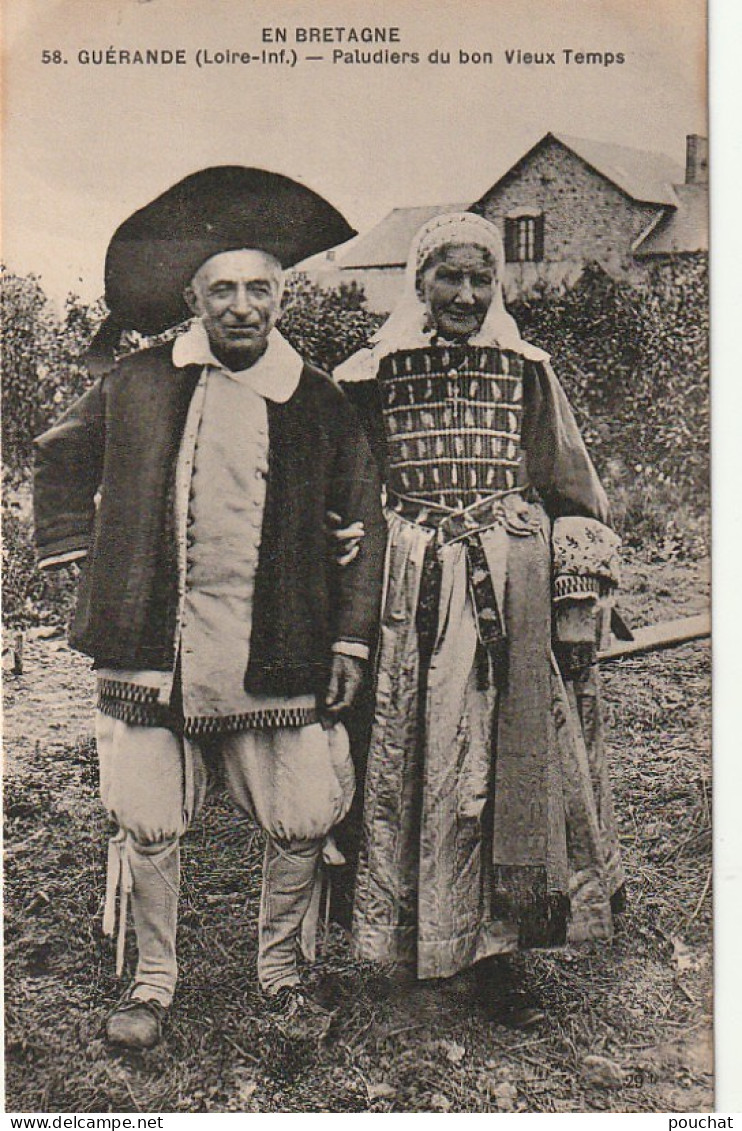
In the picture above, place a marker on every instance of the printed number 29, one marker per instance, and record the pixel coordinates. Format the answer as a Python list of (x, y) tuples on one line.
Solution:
[(51, 57)]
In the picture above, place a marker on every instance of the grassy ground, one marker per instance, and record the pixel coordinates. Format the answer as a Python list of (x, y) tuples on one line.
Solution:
[(640, 1005)]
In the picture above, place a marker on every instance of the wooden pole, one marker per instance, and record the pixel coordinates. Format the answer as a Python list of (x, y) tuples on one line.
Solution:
[(18, 654), (668, 634)]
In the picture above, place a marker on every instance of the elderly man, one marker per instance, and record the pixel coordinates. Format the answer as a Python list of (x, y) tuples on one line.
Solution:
[(195, 478)]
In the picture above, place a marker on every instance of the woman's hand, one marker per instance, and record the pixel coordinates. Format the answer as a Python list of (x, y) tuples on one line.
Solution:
[(345, 541)]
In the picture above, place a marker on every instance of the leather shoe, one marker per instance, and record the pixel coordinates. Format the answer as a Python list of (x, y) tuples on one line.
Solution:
[(136, 1024)]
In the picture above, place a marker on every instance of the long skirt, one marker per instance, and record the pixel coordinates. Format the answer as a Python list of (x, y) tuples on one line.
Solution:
[(423, 892)]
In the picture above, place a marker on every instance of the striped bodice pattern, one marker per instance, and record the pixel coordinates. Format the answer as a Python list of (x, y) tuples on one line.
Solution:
[(453, 422)]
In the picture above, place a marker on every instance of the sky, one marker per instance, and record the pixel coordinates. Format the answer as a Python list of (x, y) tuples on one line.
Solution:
[(86, 145)]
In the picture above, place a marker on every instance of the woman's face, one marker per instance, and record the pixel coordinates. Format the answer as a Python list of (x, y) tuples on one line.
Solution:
[(458, 285)]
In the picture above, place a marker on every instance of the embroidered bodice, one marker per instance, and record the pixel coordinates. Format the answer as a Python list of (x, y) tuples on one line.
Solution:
[(453, 417)]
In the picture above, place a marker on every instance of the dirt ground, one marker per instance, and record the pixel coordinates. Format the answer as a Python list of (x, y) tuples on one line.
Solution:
[(627, 1023)]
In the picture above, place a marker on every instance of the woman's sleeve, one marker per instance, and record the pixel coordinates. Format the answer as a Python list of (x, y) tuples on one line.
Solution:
[(557, 462)]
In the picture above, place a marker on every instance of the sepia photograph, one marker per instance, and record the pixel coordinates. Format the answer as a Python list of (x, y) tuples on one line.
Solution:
[(356, 557)]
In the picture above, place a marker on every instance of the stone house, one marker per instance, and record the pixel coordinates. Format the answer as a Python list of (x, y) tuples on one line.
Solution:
[(570, 201), (567, 202)]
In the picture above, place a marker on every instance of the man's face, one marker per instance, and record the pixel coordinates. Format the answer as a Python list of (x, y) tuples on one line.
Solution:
[(458, 286), (237, 295)]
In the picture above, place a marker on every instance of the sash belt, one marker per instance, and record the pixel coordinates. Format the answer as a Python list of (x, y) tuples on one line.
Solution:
[(513, 509), (518, 512)]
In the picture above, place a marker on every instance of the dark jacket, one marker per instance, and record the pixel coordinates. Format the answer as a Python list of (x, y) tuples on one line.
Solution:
[(120, 442)]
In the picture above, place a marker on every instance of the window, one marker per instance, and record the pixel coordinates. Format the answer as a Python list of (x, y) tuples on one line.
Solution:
[(524, 237)]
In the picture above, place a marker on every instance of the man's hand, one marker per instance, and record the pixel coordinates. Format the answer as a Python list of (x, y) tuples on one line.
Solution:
[(346, 676), (347, 540)]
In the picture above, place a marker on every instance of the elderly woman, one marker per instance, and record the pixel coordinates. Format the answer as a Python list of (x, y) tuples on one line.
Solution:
[(488, 823)]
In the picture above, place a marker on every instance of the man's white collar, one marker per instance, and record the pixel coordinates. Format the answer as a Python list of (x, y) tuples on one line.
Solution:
[(274, 375)]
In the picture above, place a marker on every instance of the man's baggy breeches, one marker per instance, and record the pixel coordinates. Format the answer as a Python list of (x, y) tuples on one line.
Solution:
[(297, 783)]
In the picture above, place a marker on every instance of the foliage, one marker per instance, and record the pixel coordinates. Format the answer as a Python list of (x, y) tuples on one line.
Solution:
[(31, 597), (651, 511), (326, 326), (42, 372), (28, 332), (634, 362)]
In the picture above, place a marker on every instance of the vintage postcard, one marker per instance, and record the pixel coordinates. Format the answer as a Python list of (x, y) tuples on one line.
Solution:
[(356, 557)]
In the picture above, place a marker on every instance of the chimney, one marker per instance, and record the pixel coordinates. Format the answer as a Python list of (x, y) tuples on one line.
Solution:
[(696, 160)]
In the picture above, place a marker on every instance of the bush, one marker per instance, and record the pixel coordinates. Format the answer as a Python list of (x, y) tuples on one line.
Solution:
[(29, 596), (326, 326), (651, 511), (634, 361), (42, 372)]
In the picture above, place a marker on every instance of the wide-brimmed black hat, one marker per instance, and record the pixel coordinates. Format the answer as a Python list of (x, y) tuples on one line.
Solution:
[(155, 253)]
